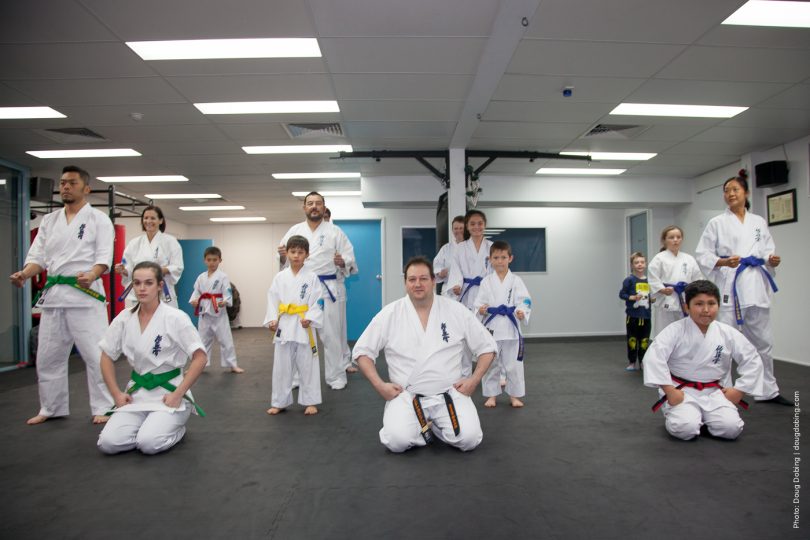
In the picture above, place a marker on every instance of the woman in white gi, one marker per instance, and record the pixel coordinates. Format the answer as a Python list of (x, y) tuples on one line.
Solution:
[(690, 363), (668, 273), (737, 252), (155, 246), (470, 266), (157, 340), (444, 258)]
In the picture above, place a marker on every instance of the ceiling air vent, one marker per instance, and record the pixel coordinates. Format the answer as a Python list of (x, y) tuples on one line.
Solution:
[(299, 131), (615, 131), (71, 135)]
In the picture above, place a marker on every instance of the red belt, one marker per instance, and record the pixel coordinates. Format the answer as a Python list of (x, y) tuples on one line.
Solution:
[(683, 383), (207, 296)]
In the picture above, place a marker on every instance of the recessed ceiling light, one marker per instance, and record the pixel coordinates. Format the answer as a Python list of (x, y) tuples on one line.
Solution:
[(194, 49), (307, 176), (236, 219), (154, 178), (663, 109), (268, 107), (580, 172), (299, 149), (211, 208), (329, 193), (9, 113), (619, 156), (101, 152), (770, 13), (182, 196)]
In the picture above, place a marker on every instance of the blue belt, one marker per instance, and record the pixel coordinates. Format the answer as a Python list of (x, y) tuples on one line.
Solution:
[(746, 262), (679, 288), (328, 277), (470, 283), (509, 312)]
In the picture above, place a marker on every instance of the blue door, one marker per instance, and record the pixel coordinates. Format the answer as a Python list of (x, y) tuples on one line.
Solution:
[(364, 289), (193, 266)]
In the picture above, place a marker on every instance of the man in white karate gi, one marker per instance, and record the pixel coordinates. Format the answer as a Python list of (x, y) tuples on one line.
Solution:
[(423, 336), (331, 257), (75, 246)]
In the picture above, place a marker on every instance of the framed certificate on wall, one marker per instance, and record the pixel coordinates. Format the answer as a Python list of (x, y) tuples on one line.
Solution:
[(782, 207)]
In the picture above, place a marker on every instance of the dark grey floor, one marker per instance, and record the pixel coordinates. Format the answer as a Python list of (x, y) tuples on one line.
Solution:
[(584, 459)]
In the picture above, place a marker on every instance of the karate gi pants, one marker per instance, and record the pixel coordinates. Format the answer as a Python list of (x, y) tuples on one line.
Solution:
[(334, 363), (663, 318), (401, 429), (703, 407), (59, 329), (505, 362), (757, 329), (288, 358), (216, 327), (151, 432)]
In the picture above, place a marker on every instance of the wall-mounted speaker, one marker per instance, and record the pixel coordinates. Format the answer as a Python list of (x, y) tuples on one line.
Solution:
[(772, 173), (41, 189)]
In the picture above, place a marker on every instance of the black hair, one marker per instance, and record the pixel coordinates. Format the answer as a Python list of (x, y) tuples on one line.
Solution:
[(84, 175), (212, 250), (308, 195), (159, 212), (467, 216), (500, 245), (458, 219), (327, 212), (155, 268), (416, 261), (701, 286), (742, 179), (298, 241)]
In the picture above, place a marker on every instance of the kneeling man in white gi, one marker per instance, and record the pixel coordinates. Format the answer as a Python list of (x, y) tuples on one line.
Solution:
[(690, 361), (423, 336)]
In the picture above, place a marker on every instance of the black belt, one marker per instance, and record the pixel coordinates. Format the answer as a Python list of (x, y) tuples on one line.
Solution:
[(425, 425)]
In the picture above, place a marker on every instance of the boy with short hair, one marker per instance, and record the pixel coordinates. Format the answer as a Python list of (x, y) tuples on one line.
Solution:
[(212, 294), (690, 362), (502, 301), (294, 311), (635, 292)]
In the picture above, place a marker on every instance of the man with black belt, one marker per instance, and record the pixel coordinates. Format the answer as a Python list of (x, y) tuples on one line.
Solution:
[(423, 336)]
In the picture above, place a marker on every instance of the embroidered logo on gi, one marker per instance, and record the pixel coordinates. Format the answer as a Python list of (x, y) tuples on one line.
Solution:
[(509, 297), (156, 349), (304, 288), (683, 268), (321, 239), (156, 252), (215, 285), (717, 352), (81, 231), (757, 234), (445, 335)]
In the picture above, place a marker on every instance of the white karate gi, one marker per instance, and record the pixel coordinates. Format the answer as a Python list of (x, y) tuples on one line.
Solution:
[(167, 342), (324, 242), (682, 350), (68, 315), (666, 267), (344, 325), (426, 362), (293, 353), (165, 250), (213, 322), (444, 260), (509, 292), (726, 235)]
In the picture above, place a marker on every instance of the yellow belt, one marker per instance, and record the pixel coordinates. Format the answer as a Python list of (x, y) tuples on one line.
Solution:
[(300, 310)]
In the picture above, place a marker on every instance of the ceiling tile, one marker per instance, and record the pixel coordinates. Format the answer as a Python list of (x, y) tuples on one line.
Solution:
[(520, 130), (796, 97), (70, 61), (99, 91), (206, 89), (739, 64), (546, 111), (120, 115), (757, 36), (414, 111), (399, 129), (402, 86), (402, 55), (771, 118), (740, 94), (238, 66), (549, 88), (50, 27)]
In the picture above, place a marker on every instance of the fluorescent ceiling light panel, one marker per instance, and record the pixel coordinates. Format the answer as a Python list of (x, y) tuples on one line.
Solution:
[(182, 196), (211, 208), (10, 113), (236, 219), (102, 152), (2, 181), (299, 149), (580, 172), (195, 49), (784, 14), (663, 109), (619, 156), (268, 107), (311, 175), (154, 178), (329, 193)]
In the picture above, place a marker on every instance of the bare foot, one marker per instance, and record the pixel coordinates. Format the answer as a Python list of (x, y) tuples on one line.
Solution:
[(274, 410), (312, 409), (516, 403), (237, 370), (351, 369), (100, 419), (490, 402), (38, 419)]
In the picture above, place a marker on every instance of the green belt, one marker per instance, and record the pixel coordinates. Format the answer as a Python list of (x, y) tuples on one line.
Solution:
[(73, 282), (150, 381)]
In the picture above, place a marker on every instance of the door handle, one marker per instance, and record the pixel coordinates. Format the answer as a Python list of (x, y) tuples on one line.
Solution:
[(379, 277)]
